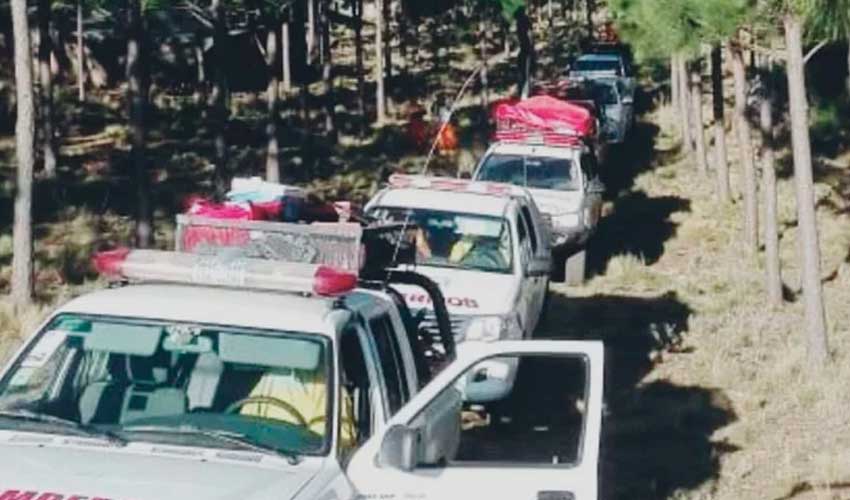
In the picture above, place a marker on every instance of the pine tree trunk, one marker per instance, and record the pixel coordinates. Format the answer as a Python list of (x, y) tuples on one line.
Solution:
[(81, 70), (22, 268), (684, 105), (45, 50), (721, 163), (847, 81), (380, 95), (742, 125), (806, 218), (675, 96), (358, 62), (388, 42), (286, 63), (218, 97), (482, 48), (137, 93), (697, 122), (773, 276), (591, 8), (527, 57), (327, 72), (506, 39), (273, 149), (200, 75), (311, 30)]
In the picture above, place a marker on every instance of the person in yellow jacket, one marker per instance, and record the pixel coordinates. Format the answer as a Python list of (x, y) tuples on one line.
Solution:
[(306, 393)]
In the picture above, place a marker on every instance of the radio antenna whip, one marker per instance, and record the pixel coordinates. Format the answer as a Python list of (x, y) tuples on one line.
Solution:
[(452, 109)]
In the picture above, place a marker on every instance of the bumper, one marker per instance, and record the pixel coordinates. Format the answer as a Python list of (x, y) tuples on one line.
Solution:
[(489, 381)]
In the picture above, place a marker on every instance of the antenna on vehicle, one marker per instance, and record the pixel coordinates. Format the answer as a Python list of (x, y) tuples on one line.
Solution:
[(450, 114)]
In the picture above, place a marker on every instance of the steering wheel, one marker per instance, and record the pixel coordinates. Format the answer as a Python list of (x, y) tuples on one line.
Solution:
[(299, 418), (484, 255)]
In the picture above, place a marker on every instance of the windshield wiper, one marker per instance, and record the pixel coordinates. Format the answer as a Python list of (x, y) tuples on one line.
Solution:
[(226, 436), (32, 416)]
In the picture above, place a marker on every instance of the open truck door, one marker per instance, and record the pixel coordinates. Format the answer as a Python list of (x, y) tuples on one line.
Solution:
[(551, 451)]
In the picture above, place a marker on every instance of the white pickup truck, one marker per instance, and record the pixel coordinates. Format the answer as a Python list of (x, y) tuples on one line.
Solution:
[(488, 248), (246, 379), (565, 184)]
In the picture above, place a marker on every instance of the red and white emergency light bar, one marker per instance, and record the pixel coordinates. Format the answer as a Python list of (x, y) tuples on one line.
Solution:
[(255, 274), (530, 136), (405, 181)]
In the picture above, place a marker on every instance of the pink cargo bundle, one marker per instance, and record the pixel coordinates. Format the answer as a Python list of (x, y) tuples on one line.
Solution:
[(542, 119)]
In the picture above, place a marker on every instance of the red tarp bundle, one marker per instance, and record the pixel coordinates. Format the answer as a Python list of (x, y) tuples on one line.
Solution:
[(543, 114)]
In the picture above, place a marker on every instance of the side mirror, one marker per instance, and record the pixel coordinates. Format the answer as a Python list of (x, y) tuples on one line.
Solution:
[(398, 449), (596, 186), (539, 267), (628, 100), (466, 174)]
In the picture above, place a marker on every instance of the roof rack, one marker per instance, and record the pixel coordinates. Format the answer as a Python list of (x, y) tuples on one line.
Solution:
[(405, 181), (351, 246)]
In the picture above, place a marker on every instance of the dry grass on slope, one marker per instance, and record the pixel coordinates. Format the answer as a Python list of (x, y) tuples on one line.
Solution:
[(710, 393)]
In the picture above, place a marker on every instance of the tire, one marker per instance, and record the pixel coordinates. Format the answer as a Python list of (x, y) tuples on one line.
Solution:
[(556, 275), (574, 268)]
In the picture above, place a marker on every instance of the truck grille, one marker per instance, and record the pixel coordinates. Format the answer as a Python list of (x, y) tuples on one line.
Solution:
[(428, 326)]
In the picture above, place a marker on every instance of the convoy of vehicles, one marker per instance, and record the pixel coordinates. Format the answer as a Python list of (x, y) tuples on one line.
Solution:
[(243, 378), (608, 68), (335, 360)]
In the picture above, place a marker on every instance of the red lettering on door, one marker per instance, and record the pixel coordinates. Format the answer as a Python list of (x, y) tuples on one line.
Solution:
[(18, 495), (50, 496)]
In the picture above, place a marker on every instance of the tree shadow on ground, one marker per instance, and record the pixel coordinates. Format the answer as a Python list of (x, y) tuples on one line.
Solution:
[(656, 436), (638, 225), (628, 160)]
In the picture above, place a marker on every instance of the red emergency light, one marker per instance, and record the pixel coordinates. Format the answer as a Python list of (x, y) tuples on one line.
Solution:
[(254, 274), (529, 136), (404, 181)]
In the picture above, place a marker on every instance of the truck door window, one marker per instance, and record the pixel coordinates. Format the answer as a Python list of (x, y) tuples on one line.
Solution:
[(540, 421), (532, 234), (355, 384), (524, 245), (392, 365), (588, 163)]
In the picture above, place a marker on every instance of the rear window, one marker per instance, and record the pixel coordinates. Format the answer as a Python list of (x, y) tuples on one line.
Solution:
[(531, 171), (598, 65)]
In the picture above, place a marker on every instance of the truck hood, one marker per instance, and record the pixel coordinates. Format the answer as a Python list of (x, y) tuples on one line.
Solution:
[(553, 202), (467, 293), (145, 472)]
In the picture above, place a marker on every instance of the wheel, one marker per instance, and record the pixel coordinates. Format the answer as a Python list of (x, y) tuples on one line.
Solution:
[(556, 275), (574, 268)]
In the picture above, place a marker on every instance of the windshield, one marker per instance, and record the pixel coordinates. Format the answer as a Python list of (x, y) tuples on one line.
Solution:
[(531, 171), (608, 65), (172, 382), (456, 240)]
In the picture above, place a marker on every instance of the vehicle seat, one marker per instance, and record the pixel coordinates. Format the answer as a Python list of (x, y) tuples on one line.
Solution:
[(150, 394), (101, 400), (204, 380)]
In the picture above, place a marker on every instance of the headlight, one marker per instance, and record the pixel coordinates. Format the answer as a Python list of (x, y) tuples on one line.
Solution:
[(490, 328), (566, 220)]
